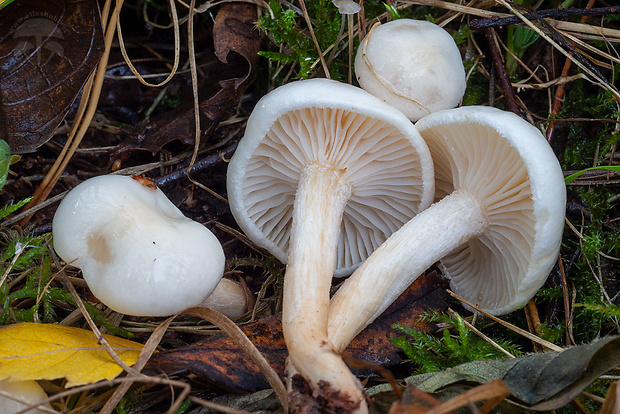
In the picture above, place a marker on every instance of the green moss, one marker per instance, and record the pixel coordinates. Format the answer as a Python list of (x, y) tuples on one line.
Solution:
[(430, 353)]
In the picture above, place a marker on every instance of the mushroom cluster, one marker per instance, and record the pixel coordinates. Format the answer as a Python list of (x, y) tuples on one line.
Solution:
[(323, 175), (336, 181), (299, 186)]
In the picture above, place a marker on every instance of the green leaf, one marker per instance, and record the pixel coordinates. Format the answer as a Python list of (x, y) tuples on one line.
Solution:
[(6, 210), (574, 176), (394, 14), (6, 159)]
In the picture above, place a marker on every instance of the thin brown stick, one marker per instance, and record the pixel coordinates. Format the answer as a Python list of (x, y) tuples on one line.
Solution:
[(533, 321), (500, 70), (566, 297), (553, 13), (495, 390), (559, 93)]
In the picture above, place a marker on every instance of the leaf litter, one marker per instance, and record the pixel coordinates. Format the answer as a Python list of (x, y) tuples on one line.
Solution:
[(227, 68)]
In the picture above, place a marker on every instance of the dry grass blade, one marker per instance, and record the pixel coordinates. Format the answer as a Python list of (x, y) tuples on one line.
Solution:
[(495, 391), (579, 29), (510, 326), (177, 48), (194, 73), (149, 347), (316, 42), (610, 405), (603, 82), (242, 340)]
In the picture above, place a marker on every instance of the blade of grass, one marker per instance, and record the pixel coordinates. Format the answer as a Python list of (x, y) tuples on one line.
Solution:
[(574, 176)]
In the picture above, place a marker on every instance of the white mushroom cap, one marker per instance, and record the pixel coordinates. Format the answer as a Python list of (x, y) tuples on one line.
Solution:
[(496, 227), (520, 181), (24, 394), (138, 253), (413, 65), (386, 162)]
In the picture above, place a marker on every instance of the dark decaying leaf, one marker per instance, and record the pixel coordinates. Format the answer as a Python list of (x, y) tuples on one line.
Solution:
[(544, 381), (225, 81), (219, 360), (47, 51)]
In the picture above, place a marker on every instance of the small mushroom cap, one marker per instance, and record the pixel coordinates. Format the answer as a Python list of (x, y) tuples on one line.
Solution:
[(138, 253), (319, 120), (29, 392), (413, 65), (508, 165), (230, 298)]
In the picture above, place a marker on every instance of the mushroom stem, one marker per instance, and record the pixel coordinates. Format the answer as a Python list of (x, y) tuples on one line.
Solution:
[(391, 268), (321, 196)]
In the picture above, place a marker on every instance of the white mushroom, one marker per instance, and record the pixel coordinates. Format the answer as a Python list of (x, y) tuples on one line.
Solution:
[(323, 175), (413, 65), (230, 298), (497, 227), (138, 253), (19, 395)]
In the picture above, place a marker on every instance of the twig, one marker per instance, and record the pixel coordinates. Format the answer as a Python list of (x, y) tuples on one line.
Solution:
[(204, 164), (583, 30), (559, 93), (554, 13), (500, 70), (567, 311)]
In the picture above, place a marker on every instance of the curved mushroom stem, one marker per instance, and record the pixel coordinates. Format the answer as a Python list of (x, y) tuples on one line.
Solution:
[(317, 214), (408, 252)]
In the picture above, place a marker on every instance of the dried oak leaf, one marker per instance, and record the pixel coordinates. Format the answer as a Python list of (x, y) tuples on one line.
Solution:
[(220, 360), (233, 31), (47, 51)]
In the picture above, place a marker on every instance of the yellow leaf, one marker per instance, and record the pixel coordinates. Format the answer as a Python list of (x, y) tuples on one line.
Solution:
[(33, 351)]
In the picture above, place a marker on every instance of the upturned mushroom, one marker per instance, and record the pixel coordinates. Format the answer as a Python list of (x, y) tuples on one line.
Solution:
[(323, 175), (138, 253), (496, 228), (413, 65)]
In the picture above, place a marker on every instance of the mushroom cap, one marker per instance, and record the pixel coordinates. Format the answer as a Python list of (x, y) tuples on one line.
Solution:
[(319, 120), (230, 298), (509, 165), (138, 253), (28, 391), (413, 65)]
